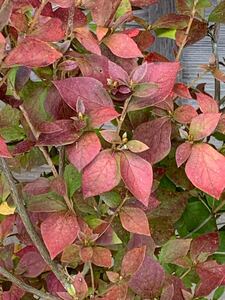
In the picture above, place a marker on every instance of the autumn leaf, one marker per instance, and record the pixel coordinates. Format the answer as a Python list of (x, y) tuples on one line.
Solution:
[(134, 220), (58, 231), (6, 210), (132, 260), (123, 46), (101, 257), (32, 53), (4, 152), (82, 152), (156, 135), (203, 125), (207, 104), (137, 175), (205, 168), (63, 3), (184, 114), (101, 175), (87, 39), (182, 153), (98, 104), (143, 3)]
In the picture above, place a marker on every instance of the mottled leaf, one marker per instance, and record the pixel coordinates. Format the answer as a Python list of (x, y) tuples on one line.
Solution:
[(101, 175), (132, 260), (63, 3), (136, 146), (137, 176), (73, 179), (184, 114), (87, 39), (143, 3), (102, 257), (32, 52), (217, 15), (82, 152), (156, 135), (205, 169), (182, 153), (134, 220), (207, 104), (58, 231), (4, 152)]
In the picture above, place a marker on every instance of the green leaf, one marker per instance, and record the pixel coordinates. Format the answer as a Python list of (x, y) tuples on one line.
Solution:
[(219, 293), (218, 14), (194, 215), (112, 199), (73, 179), (124, 7), (166, 33), (4, 188), (11, 79)]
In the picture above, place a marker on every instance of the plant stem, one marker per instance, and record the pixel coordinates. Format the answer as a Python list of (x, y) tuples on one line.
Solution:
[(25, 286), (29, 226), (92, 278), (215, 39), (123, 115), (61, 160), (45, 153), (37, 15), (184, 42)]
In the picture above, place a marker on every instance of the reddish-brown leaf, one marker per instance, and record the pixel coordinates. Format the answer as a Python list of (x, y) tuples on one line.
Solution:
[(88, 40), (37, 187), (162, 74), (134, 220), (6, 226), (101, 175), (4, 152), (171, 21), (14, 293), (50, 31), (102, 257), (80, 285), (203, 125), (207, 104), (212, 275), (204, 246), (82, 152), (132, 261), (58, 186), (116, 292), (184, 114), (32, 52), (58, 231), (98, 104), (136, 146), (156, 135), (123, 46), (137, 176), (182, 91), (148, 280), (143, 3), (205, 168), (182, 153)]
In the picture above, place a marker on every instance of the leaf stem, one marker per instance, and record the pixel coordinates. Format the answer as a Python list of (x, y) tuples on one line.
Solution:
[(25, 286), (123, 115), (184, 42), (37, 15), (29, 226)]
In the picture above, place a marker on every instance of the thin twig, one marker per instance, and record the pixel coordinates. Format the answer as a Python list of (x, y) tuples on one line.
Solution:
[(61, 160), (45, 153), (70, 23), (37, 15), (123, 115), (184, 42), (26, 287), (92, 278), (215, 39), (29, 226)]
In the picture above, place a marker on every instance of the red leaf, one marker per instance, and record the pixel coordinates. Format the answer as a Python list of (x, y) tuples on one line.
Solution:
[(22, 147), (96, 100), (4, 152), (102, 257), (137, 176), (37, 187), (205, 168), (156, 135), (116, 292), (63, 3), (134, 220), (87, 39), (31, 264), (163, 75), (50, 31), (184, 114), (204, 246), (6, 226), (203, 125), (101, 175), (142, 3), (132, 260), (182, 153), (148, 280), (207, 104), (58, 186), (212, 275), (123, 46), (58, 231), (15, 293), (32, 52), (80, 286), (82, 152), (182, 91)]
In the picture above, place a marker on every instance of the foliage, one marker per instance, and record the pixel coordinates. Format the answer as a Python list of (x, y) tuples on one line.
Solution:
[(129, 206)]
